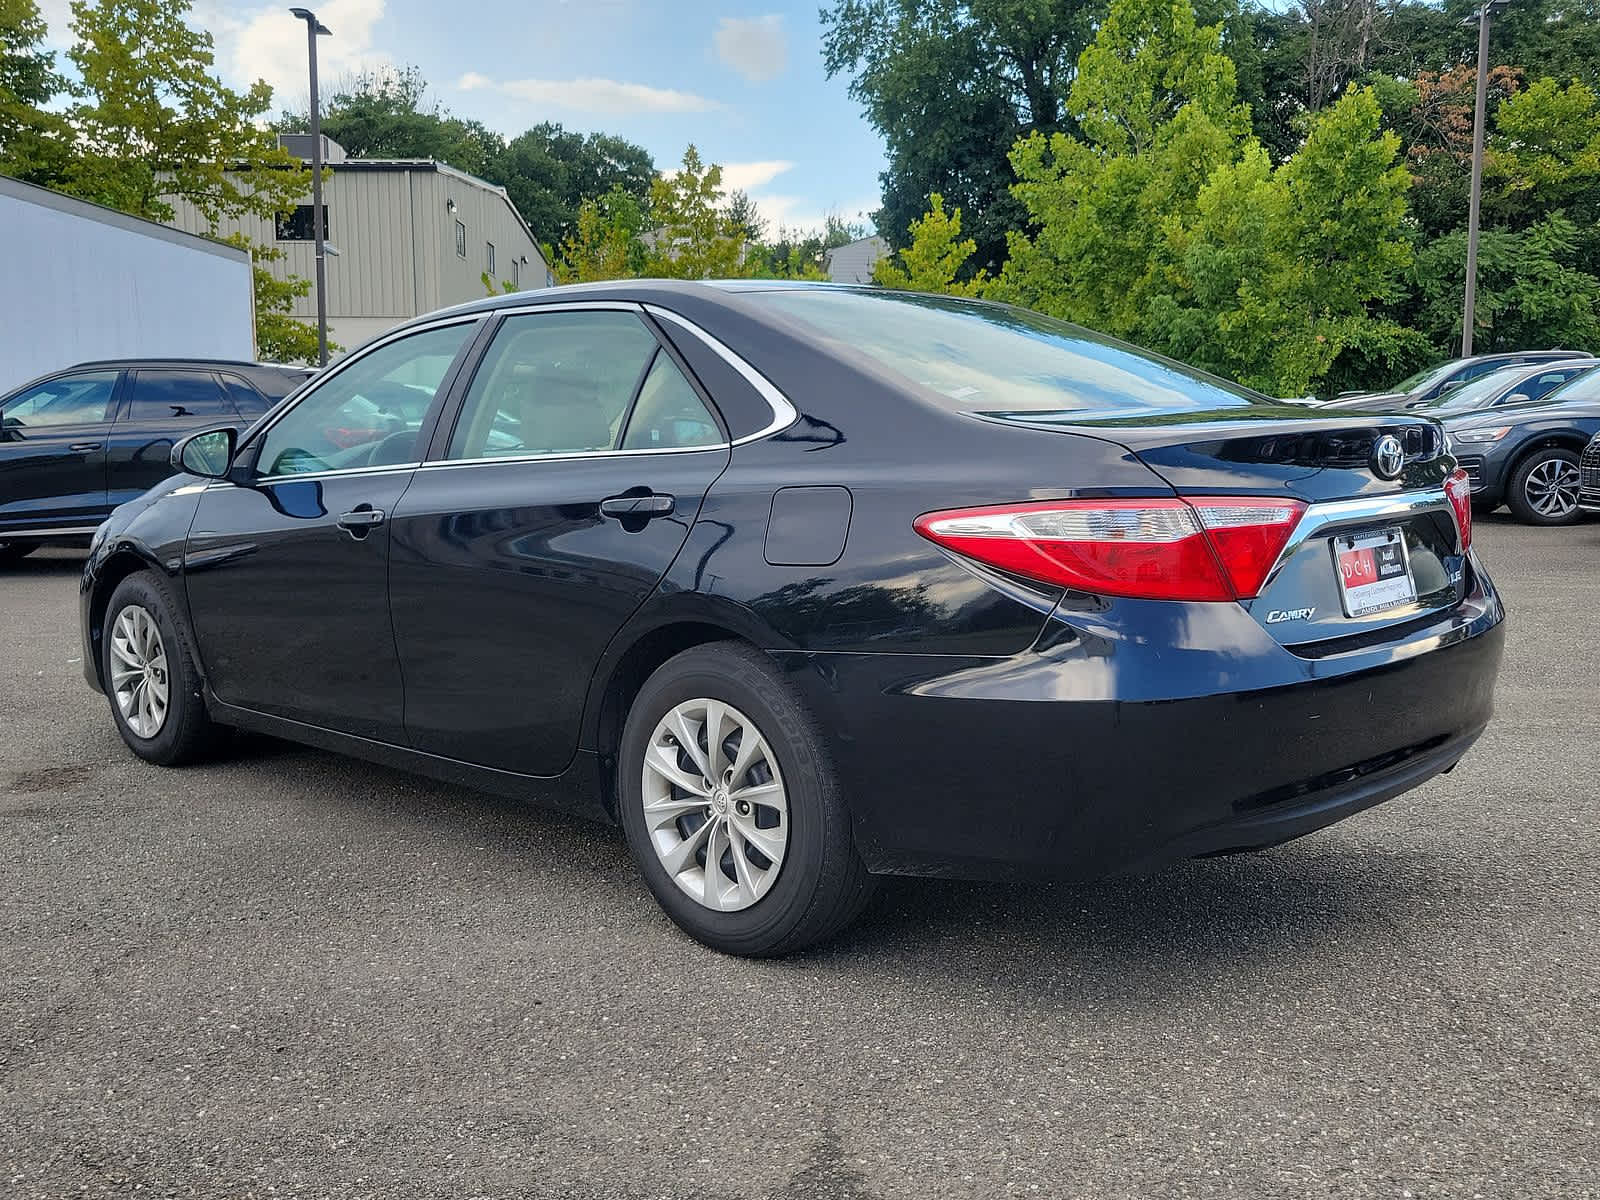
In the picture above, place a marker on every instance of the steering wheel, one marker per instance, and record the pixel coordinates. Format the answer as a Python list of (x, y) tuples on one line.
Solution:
[(395, 449)]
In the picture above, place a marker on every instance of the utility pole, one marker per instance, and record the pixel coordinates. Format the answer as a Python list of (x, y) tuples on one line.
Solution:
[(313, 28), (1470, 302)]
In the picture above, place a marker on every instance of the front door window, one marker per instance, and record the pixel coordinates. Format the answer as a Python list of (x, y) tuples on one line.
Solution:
[(368, 414)]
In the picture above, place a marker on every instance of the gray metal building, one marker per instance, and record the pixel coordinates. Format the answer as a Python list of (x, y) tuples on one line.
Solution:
[(853, 262), (412, 236)]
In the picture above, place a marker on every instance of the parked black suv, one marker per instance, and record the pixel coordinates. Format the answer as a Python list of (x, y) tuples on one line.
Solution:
[(1526, 456), (77, 443)]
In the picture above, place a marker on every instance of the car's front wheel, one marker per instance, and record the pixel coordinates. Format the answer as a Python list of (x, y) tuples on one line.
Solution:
[(732, 808), (1544, 488), (150, 678)]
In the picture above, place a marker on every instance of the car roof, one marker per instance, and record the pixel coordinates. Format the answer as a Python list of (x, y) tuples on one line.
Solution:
[(636, 290), (124, 364)]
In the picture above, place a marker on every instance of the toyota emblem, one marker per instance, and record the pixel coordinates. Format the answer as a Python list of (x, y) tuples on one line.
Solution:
[(1388, 457)]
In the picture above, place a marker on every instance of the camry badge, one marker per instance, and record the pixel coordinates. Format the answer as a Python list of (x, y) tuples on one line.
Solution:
[(1279, 615), (1388, 457)]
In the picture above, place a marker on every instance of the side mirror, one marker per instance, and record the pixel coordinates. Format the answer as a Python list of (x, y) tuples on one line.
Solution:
[(1516, 398), (1451, 386), (208, 453), (7, 424)]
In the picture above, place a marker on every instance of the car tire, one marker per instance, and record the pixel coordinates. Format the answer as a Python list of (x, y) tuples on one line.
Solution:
[(1544, 488), (11, 552), (814, 883), (161, 713)]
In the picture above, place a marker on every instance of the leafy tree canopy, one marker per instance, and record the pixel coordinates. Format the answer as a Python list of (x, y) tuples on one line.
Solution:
[(934, 258)]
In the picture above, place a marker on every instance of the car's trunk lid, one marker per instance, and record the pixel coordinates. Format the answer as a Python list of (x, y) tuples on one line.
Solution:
[(1389, 520)]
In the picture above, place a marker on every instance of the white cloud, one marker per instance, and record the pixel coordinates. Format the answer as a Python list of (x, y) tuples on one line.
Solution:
[(263, 41), (755, 47), (741, 177), (592, 95), (270, 44), (801, 215)]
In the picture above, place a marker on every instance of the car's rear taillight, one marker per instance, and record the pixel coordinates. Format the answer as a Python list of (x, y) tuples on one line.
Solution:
[(1459, 489), (1199, 548)]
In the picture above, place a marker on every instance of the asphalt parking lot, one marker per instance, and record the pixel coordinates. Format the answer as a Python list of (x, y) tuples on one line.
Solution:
[(293, 974)]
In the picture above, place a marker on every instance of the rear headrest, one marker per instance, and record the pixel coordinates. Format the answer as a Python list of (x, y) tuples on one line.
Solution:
[(561, 413)]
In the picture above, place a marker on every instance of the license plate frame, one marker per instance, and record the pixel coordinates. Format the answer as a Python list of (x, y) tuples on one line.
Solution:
[(1373, 568)]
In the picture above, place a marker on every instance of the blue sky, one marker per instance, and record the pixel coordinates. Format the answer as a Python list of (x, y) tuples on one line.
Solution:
[(743, 82)]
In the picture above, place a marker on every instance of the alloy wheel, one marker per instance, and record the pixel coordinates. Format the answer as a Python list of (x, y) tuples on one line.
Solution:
[(715, 805), (1552, 488), (139, 677)]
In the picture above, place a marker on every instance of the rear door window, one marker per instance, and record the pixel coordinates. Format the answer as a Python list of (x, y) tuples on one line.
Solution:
[(554, 383), (164, 395), (669, 414), (246, 399)]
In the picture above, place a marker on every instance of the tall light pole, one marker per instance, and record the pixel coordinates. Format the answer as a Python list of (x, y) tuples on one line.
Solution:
[(313, 28), (1470, 303)]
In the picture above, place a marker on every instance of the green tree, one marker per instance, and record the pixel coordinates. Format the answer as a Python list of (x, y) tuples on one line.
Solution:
[(387, 113), (549, 172), (951, 85), (1283, 270), (605, 241), (933, 260), (1545, 155), (694, 237), (1531, 295), (746, 217), (35, 143), (1154, 97), (152, 124)]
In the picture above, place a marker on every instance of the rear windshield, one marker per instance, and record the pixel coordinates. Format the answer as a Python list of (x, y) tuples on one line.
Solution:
[(986, 358)]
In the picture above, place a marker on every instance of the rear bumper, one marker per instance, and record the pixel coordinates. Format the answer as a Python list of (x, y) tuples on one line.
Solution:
[(992, 768)]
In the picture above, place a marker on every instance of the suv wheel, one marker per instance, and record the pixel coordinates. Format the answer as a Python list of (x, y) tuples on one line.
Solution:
[(732, 809), (1544, 488)]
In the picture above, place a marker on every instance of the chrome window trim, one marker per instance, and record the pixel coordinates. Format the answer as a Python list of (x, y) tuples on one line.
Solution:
[(1320, 518), (436, 464), (340, 473), (784, 413)]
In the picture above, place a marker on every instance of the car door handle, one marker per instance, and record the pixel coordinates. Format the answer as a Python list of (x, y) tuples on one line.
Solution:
[(360, 520), (653, 504), (82, 446)]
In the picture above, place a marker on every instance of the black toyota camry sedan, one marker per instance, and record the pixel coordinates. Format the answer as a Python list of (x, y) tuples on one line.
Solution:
[(801, 584)]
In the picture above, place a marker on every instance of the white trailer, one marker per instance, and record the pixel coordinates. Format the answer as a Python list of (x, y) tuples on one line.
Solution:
[(81, 282)]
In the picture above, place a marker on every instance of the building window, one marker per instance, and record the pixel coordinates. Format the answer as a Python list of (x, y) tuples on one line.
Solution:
[(488, 256), (299, 225), (461, 240), (516, 274)]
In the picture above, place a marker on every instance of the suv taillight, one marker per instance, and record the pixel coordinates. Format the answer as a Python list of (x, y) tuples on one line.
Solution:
[(1459, 489), (1194, 548)]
